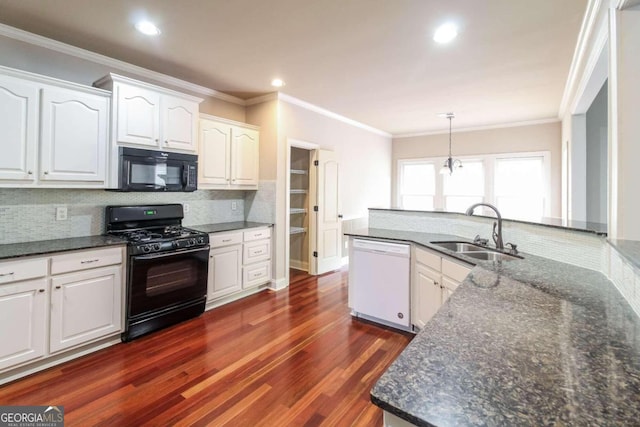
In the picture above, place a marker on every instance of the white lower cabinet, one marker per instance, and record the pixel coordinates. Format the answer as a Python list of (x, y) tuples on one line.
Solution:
[(434, 280), (239, 262), (84, 306), (23, 310), (56, 303), (225, 265)]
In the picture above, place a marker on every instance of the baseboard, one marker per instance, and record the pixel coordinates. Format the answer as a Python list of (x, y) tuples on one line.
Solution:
[(234, 297), (299, 265), (278, 284)]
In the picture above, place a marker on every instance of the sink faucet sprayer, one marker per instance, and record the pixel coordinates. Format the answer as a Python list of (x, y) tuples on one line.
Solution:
[(497, 236)]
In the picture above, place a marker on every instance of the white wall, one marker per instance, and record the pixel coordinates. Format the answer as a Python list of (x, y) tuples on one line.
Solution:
[(597, 137), (539, 137)]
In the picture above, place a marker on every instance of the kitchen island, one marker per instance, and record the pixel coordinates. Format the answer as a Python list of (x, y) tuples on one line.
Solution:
[(525, 342)]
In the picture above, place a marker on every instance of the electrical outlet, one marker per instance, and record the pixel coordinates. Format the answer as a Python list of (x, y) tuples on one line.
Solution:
[(187, 208), (61, 213), (234, 205)]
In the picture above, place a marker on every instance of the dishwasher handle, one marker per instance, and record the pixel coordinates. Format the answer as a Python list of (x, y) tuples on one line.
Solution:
[(380, 247)]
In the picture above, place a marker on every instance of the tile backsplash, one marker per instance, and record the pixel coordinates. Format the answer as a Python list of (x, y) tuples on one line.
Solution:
[(30, 214)]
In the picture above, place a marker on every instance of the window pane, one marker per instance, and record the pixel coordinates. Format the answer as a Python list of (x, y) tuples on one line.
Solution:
[(418, 178), (419, 203), (465, 181), (460, 203), (519, 187)]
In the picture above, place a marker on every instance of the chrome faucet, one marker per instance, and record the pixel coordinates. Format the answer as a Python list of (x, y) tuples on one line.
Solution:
[(497, 235)]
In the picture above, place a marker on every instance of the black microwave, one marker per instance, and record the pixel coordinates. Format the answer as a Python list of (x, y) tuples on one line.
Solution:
[(151, 170)]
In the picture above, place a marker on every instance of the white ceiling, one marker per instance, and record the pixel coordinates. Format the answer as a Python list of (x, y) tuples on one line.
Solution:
[(373, 61)]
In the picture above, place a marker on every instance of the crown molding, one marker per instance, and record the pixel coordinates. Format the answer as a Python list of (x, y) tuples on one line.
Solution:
[(47, 43), (311, 107), (262, 98), (479, 128), (593, 16)]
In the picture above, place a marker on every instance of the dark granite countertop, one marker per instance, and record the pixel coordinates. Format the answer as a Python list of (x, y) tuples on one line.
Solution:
[(527, 342), (588, 227), (228, 226), (42, 247)]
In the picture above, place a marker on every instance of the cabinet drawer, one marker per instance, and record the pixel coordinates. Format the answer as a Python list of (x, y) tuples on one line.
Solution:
[(454, 270), (14, 271), (226, 239), (429, 259), (84, 260), (259, 250), (257, 234), (256, 274)]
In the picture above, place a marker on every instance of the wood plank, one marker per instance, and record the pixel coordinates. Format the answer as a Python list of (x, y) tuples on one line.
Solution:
[(293, 357)]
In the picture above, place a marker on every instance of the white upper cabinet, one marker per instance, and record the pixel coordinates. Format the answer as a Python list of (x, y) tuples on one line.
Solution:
[(74, 136), (18, 129), (138, 115), (152, 117), (63, 124), (229, 155)]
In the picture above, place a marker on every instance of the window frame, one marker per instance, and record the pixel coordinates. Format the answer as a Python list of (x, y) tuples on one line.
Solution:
[(489, 163)]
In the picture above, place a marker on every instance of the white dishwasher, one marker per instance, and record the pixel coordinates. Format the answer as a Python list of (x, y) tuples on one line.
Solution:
[(379, 274)]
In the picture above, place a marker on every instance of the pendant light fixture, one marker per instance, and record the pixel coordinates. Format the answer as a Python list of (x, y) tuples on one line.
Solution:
[(450, 164)]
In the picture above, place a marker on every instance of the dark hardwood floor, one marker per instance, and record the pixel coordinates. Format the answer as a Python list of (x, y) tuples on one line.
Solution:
[(288, 358)]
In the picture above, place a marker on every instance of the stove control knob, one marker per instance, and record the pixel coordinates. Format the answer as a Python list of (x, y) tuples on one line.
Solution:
[(201, 240), (175, 244), (156, 246), (145, 248), (192, 242)]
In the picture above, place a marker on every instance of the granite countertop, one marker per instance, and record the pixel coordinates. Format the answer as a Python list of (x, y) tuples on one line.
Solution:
[(42, 247), (228, 226), (526, 342)]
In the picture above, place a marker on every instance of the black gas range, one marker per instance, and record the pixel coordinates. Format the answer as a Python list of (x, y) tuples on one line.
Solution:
[(167, 266)]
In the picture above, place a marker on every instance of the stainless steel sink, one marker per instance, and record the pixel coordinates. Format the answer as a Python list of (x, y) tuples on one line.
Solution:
[(461, 246), (491, 256), (476, 251)]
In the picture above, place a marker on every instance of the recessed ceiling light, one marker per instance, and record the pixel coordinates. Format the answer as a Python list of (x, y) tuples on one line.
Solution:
[(277, 83), (445, 33), (148, 28)]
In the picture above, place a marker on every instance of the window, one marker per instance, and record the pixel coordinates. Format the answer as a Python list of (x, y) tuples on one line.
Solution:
[(517, 183), (520, 187), (417, 185), (464, 187)]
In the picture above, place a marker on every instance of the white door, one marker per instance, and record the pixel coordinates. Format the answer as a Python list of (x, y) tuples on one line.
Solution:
[(214, 166), (18, 129), (179, 123), (138, 117), (225, 271), (23, 336), (244, 156), (85, 306), (327, 237), (74, 136)]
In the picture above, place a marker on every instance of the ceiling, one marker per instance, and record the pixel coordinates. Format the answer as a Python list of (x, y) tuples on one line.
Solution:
[(373, 61)]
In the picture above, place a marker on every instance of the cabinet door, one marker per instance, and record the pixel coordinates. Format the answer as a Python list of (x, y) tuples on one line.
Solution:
[(85, 306), (74, 136), (23, 308), (427, 293), (448, 286), (224, 271), (214, 157), (138, 116), (18, 129), (179, 123), (245, 151)]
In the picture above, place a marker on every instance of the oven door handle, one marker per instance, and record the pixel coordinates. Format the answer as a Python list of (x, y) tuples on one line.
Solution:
[(173, 253)]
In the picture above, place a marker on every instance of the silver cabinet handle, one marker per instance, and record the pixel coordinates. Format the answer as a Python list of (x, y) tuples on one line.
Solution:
[(8, 274), (89, 261), (226, 240)]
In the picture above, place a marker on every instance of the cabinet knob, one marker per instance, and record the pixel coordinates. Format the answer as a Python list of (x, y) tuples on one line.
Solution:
[(30, 172), (156, 140), (58, 287), (46, 172), (41, 290)]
